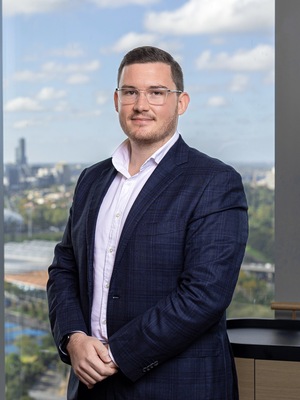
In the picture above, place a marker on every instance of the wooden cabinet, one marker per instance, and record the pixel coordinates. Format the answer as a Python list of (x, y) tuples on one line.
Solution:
[(245, 373), (267, 357), (268, 379)]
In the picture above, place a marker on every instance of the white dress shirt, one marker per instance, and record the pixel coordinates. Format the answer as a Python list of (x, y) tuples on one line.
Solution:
[(111, 218)]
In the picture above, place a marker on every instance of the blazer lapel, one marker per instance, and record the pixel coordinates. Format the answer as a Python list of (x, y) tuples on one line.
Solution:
[(168, 169)]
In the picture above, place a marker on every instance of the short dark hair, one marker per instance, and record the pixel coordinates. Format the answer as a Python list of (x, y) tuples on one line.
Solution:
[(150, 54)]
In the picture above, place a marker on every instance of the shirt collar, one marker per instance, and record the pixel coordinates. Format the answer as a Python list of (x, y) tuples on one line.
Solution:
[(121, 155)]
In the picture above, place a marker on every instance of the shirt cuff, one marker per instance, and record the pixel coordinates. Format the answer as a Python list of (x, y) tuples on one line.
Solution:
[(112, 357)]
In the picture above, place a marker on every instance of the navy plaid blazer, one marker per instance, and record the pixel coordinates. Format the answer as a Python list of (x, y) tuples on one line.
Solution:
[(175, 271)]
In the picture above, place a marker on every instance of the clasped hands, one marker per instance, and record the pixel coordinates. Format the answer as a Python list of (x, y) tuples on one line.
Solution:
[(90, 359)]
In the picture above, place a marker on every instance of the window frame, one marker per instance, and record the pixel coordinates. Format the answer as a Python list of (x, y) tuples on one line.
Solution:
[(2, 303), (287, 145)]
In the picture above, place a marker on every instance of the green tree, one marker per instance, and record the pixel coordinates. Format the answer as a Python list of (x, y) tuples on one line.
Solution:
[(260, 246), (16, 387)]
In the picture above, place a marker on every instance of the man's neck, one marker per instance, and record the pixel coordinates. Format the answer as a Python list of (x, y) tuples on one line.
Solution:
[(139, 153)]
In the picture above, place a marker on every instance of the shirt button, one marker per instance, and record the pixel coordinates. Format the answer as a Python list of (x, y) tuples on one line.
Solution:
[(111, 250), (118, 215), (107, 285), (104, 322)]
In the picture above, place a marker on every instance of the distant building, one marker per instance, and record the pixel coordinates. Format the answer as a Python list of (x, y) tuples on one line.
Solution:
[(13, 175), (63, 173), (21, 158), (268, 180)]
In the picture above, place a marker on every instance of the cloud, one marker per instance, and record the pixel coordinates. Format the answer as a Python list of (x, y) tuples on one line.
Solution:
[(29, 76), (132, 39), (101, 98), (25, 123), (28, 7), (216, 101), (48, 93), (239, 83), (78, 79), (269, 78), (73, 50), (75, 72), (87, 114), (22, 104), (57, 68), (261, 58), (12, 7), (121, 3), (213, 17), (61, 106), (33, 104)]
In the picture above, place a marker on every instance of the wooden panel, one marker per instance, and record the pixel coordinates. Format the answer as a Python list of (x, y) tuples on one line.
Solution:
[(277, 380), (245, 372)]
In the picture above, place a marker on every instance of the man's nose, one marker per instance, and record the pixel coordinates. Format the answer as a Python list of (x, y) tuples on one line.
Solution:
[(141, 102)]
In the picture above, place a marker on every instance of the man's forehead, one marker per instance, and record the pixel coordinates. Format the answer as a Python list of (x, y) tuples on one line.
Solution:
[(147, 72)]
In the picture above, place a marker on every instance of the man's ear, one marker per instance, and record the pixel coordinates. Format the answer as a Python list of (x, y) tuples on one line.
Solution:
[(116, 101), (183, 102)]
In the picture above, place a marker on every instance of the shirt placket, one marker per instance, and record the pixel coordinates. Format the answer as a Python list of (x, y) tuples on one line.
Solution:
[(114, 234)]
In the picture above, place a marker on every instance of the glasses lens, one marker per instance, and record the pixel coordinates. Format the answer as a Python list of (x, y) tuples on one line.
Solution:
[(156, 96), (128, 96)]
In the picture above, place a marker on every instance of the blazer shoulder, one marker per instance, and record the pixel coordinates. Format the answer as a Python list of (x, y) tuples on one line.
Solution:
[(202, 159), (203, 163), (97, 168), (92, 172)]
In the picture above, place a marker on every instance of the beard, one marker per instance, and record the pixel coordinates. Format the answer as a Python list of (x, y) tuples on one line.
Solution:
[(149, 135)]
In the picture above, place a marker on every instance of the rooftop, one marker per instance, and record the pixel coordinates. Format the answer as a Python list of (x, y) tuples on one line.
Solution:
[(27, 263)]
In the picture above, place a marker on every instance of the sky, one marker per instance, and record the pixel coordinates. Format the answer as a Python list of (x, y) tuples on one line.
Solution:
[(60, 66)]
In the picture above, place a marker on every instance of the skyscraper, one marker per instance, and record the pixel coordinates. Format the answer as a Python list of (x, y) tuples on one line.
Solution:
[(21, 153)]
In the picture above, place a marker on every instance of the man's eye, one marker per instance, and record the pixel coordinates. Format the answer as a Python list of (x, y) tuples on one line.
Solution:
[(129, 92), (157, 93)]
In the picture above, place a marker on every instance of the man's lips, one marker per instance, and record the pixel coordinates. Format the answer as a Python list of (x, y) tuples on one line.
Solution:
[(141, 119)]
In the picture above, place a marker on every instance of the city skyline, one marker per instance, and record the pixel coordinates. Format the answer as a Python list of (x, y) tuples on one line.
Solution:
[(61, 60)]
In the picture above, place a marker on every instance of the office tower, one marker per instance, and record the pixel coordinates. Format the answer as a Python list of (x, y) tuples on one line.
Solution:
[(21, 153)]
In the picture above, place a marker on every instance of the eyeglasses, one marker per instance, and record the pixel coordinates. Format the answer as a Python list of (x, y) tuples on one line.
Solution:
[(155, 96)]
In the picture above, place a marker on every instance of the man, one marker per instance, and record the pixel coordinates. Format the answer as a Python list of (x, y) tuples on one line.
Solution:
[(150, 257)]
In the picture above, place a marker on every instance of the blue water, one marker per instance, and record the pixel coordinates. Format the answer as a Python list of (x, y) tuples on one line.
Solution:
[(13, 331)]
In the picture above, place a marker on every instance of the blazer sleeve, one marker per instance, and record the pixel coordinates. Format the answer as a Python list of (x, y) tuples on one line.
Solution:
[(215, 241), (63, 291)]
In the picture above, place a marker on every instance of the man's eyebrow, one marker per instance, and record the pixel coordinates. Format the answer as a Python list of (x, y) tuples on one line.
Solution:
[(158, 87), (149, 87), (128, 87)]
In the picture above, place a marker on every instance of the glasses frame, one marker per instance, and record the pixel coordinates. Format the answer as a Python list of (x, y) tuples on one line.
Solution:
[(146, 91)]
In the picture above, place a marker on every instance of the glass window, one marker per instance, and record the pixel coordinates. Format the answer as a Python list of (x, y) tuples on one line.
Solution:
[(60, 66)]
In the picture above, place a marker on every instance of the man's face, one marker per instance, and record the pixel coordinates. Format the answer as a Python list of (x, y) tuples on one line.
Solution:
[(142, 122)]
